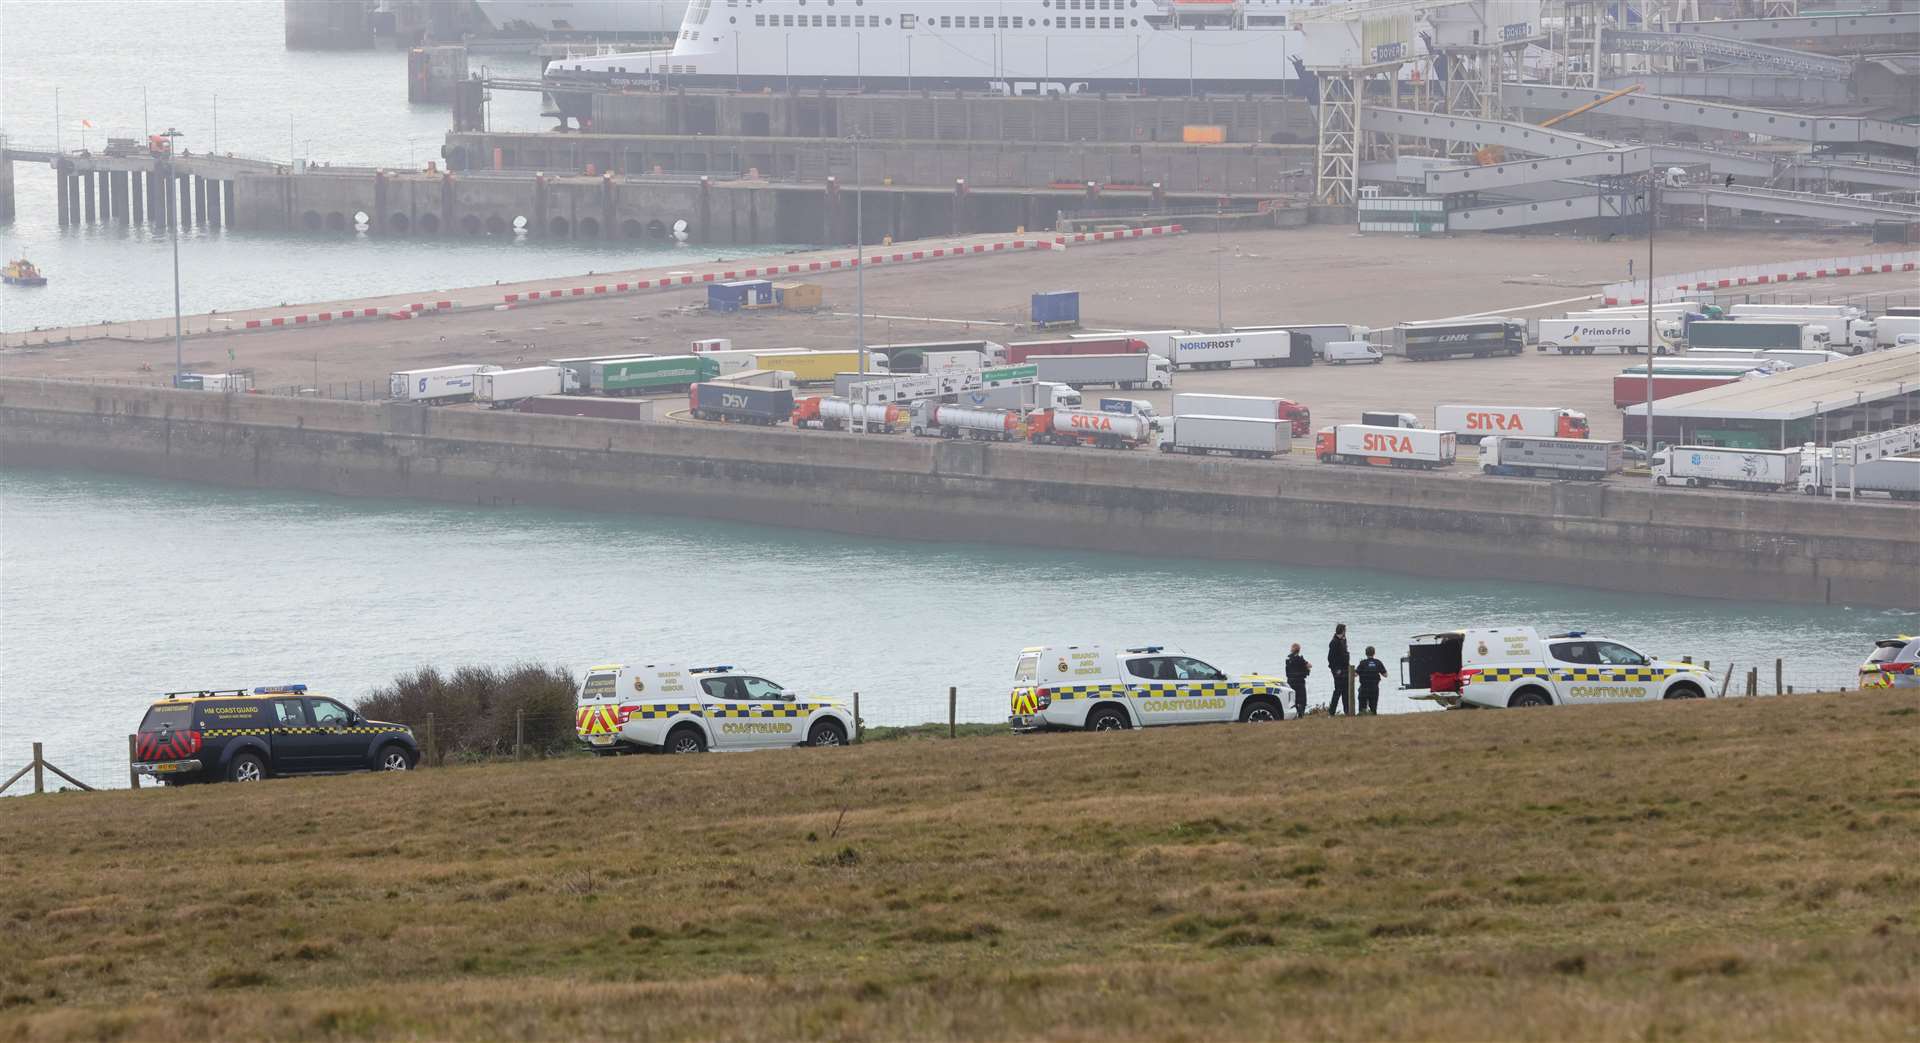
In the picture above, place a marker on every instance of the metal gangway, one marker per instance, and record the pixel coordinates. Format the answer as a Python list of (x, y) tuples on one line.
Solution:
[(1726, 51), (1835, 27), (1707, 115)]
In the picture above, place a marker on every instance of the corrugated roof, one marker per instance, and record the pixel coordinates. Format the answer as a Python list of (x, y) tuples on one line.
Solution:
[(1791, 396)]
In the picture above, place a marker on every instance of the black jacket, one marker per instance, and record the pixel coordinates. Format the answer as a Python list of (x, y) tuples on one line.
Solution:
[(1337, 654), (1297, 667), (1370, 671)]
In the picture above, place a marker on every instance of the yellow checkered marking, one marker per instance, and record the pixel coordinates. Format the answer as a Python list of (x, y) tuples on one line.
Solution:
[(1509, 673), (764, 710), (1615, 673), (1089, 691), (222, 733), (1195, 689), (661, 711)]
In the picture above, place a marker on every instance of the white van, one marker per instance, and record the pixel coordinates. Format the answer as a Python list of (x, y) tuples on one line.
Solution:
[(1341, 352)]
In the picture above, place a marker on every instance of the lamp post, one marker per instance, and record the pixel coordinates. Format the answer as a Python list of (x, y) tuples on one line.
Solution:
[(1652, 334), (173, 226)]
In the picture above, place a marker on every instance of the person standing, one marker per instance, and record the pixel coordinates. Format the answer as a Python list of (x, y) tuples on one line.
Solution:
[(1297, 670), (1369, 673), (1338, 665)]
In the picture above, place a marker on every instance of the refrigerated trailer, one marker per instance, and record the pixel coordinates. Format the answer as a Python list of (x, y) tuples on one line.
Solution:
[(437, 386), (1758, 470), (1610, 336), (1320, 334), (1121, 371), (1254, 406), (1222, 350), (1200, 434), (1473, 423), (1384, 446), (642, 376), (1897, 476), (1754, 333), (504, 388)]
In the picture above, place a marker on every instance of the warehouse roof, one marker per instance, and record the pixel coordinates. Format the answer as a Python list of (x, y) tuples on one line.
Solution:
[(1800, 393)]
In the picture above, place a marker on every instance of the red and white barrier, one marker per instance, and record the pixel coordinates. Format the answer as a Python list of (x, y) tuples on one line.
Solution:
[(1686, 284), (312, 318)]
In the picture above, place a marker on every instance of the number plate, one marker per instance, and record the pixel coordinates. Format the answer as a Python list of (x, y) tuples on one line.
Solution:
[(159, 768), (601, 740)]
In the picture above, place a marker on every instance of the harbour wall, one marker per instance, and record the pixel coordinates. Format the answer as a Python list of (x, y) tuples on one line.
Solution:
[(1618, 537)]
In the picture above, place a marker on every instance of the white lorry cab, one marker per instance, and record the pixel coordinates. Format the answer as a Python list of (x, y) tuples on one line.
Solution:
[(1515, 666), (1088, 687), (622, 709)]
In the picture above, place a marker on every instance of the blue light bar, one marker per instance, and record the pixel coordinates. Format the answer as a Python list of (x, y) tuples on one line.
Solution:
[(280, 689)]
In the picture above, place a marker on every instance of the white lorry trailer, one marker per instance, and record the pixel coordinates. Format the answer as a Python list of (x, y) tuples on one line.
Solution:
[(504, 388), (1759, 470), (1371, 446), (1257, 407), (1884, 331), (437, 386), (1609, 335), (1121, 371), (1200, 434), (1897, 476), (1473, 423), (1320, 333), (1041, 394), (1222, 350), (1523, 456), (1836, 319)]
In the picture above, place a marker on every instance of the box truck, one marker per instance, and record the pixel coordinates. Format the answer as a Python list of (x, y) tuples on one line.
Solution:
[(647, 375), (1320, 334), (1383, 446), (1760, 470), (506, 387), (1754, 333), (1121, 371), (437, 386), (1528, 457), (1473, 423), (1200, 434), (1222, 350), (1430, 341), (1606, 336), (1298, 417)]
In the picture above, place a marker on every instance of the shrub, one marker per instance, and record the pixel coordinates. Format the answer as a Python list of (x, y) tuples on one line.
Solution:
[(475, 708)]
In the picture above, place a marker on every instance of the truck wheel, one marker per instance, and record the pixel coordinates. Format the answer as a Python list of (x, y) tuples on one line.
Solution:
[(827, 733), (1530, 697), (246, 767), (1660, 479), (686, 739), (1259, 711), (1107, 719), (1685, 691)]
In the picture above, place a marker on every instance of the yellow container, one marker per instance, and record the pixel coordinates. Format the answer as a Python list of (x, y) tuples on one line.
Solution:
[(1202, 134), (800, 296)]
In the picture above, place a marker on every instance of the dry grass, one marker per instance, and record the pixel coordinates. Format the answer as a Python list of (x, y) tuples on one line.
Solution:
[(1740, 868)]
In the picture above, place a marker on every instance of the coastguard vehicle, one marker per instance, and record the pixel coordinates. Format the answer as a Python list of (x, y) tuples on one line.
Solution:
[(1087, 687), (624, 709), (1514, 666), (246, 735), (1893, 663)]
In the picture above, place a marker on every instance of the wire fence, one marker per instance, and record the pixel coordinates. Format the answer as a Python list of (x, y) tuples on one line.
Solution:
[(103, 762)]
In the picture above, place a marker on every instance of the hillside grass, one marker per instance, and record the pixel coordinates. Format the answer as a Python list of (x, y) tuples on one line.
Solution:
[(1716, 869)]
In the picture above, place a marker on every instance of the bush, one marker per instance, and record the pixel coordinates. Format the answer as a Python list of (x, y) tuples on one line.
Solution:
[(475, 708)]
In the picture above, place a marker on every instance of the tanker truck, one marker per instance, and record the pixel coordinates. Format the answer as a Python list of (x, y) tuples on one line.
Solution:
[(938, 420), (1078, 427), (831, 413)]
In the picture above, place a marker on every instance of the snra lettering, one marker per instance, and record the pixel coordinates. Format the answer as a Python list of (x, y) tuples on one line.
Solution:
[(1095, 423), (1379, 443), (1493, 422)]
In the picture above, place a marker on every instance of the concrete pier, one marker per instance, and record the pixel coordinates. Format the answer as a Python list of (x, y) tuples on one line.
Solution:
[(6, 192), (136, 195)]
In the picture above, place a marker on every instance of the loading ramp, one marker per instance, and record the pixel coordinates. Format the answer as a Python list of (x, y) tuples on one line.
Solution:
[(1439, 126), (1726, 51), (1818, 206), (1835, 27), (1655, 108), (1622, 162)]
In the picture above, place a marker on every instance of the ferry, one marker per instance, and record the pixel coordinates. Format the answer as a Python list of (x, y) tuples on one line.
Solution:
[(1009, 47), (597, 18), (22, 273)]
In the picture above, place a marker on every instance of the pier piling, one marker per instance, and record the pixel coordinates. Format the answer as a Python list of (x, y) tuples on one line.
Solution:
[(136, 195), (86, 195), (119, 181), (60, 197), (184, 214)]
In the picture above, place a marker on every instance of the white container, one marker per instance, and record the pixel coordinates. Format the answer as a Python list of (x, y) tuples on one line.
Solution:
[(1341, 352), (1472, 423), (1526, 456), (945, 361), (1610, 335), (1122, 371), (1384, 419), (1386, 446), (1699, 465), (1044, 394), (507, 386), (760, 378), (1233, 435), (439, 384), (1220, 350)]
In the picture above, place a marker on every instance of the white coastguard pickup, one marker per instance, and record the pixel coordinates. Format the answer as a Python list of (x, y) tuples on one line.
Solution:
[(1085, 686), (1513, 666), (693, 710)]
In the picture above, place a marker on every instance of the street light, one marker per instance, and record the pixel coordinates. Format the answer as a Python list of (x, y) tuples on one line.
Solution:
[(1652, 205), (173, 225)]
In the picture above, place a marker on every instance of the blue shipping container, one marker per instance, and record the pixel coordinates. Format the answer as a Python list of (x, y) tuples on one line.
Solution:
[(759, 292), (725, 296), (1056, 308)]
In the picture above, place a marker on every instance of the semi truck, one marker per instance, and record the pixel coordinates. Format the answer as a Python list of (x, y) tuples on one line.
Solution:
[(1897, 476), (504, 388), (812, 367), (1041, 394), (440, 385), (653, 373), (1836, 319), (1883, 332), (582, 405), (760, 378), (927, 361), (1473, 423), (1320, 334), (939, 420), (740, 403), (1759, 470), (1255, 406), (1223, 350), (1370, 446), (578, 366), (1159, 342), (1079, 427), (833, 413), (1123, 344), (1754, 333), (1199, 434), (1609, 336), (1121, 371), (1430, 341), (740, 360), (1528, 457)]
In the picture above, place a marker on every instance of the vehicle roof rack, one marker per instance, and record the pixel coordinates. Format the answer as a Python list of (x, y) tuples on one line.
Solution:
[(202, 693), (708, 669), (280, 689)]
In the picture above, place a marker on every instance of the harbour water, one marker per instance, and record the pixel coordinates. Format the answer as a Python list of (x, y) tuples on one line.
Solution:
[(244, 93), (112, 589)]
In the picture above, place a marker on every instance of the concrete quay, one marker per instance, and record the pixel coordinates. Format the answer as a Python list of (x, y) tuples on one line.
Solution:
[(1613, 537)]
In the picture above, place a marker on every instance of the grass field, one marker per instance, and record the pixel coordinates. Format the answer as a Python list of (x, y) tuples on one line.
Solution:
[(1716, 869)]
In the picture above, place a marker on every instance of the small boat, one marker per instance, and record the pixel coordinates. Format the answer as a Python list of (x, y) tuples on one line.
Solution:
[(22, 273)]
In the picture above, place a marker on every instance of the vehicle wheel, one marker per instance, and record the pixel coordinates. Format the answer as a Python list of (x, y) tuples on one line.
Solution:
[(1259, 711), (1107, 719), (1685, 691), (1660, 480), (394, 757), (1529, 697), (246, 767), (686, 739), (827, 733)]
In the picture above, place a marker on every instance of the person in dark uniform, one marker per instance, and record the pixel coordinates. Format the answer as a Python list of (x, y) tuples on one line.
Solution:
[(1297, 670), (1338, 664), (1369, 673)]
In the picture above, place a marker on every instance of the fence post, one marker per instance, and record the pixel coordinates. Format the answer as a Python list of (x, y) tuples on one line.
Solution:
[(432, 751), (1779, 678), (519, 731), (39, 777), (953, 701), (856, 717), (1753, 681), (133, 754)]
